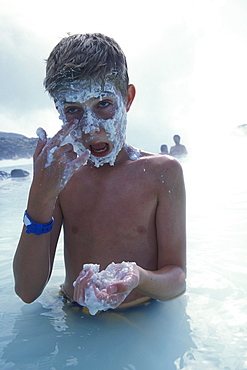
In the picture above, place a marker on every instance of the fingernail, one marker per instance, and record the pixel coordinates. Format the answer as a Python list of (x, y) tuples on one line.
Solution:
[(112, 289)]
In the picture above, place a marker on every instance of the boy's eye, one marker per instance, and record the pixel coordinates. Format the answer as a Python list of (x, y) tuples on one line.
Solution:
[(104, 104), (71, 110)]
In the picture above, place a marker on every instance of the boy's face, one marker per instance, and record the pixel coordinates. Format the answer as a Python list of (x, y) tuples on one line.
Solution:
[(99, 116)]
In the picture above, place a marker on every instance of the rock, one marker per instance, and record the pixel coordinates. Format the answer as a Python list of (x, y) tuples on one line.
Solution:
[(4, 175), (19, 173)]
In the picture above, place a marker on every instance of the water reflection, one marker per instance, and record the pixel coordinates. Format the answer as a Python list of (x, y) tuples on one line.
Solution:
[(148, 337), (205, 329)]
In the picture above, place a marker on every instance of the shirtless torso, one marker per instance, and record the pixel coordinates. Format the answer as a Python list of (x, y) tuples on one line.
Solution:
[(178, 150), (109, 214)]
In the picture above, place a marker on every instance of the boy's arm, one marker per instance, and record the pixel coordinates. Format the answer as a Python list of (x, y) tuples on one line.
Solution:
[(34, 259), (54, 165), (169, 280)]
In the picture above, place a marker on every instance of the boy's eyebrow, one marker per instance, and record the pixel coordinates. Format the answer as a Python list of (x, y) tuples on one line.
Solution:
[(78, 102), (108, 92), (69, 102), (93, 97)]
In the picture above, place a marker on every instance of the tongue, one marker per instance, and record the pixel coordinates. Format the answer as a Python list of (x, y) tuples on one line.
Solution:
[(98, 146)]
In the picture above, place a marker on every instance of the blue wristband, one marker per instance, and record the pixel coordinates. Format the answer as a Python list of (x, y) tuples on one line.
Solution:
[(37, 229)]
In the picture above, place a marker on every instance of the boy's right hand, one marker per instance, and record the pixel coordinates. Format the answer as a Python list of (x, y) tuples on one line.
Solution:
[(82, 282), (55, 164)]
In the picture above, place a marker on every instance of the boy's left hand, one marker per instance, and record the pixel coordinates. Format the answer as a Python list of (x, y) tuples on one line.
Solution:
[(127, 284), (110, 296), (116, 292)]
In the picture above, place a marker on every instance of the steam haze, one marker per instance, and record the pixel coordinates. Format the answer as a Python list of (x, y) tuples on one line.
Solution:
[(187, 60)]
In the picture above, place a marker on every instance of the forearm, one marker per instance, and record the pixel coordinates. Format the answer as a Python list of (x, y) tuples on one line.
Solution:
[(164, 284), (31, 265), (41, 204), (54, 165), (32, 261)]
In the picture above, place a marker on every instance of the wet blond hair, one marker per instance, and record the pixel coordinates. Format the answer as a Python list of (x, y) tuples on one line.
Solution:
[(86, 56)]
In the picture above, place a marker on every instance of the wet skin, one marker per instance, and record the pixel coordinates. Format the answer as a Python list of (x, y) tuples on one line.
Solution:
[(132, 211), (107, 222)]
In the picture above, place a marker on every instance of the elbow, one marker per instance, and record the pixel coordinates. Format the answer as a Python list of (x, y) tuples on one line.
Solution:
[(25, 296), (182, 281), (181, 289), (177, 289), (172, 295)]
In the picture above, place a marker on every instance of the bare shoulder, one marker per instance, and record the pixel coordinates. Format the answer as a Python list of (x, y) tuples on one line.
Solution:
[(162, 163), (163, 172)]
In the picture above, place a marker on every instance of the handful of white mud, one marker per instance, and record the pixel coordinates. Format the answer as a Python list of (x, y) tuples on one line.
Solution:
[(101, 280)]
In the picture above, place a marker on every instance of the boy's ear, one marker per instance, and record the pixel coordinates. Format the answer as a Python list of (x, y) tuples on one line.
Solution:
[(130, 96)]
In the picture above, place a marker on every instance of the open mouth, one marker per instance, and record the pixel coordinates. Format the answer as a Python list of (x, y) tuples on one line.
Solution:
[(100, 149)]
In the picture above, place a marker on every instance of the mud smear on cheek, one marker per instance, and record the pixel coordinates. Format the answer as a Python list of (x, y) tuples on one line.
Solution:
[(114, 127), (75, 134)]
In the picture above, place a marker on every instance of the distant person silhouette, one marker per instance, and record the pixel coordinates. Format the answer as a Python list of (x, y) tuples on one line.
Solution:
[(178, 149), (163, 149)]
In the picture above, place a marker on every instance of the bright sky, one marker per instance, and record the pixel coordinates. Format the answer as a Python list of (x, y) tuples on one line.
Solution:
[(187, 59)]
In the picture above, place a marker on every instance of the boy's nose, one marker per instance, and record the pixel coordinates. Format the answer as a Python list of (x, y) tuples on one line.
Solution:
[(90, 122), (92, 126), (94, 129)]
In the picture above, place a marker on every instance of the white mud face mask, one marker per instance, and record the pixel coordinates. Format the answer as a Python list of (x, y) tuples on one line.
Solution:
[(114, 127)]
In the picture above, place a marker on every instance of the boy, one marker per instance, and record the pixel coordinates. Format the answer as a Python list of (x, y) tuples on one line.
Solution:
[(115, 203)]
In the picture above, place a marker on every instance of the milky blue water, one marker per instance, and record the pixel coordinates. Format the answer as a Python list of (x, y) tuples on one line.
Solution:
[(204, 329)]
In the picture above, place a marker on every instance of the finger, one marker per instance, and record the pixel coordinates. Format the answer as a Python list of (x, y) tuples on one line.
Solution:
[(117, 288), (71, 156), (74, 163), (41, 142), (75, 293), (59, 137), (64, 150), (82, 159), (87, 273), (84, 276), (108, 298), (123, 286), (82, 281), (78, 295), (41, 133)]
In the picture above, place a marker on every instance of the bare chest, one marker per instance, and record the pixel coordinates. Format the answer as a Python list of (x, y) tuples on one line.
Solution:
[(111, 218)]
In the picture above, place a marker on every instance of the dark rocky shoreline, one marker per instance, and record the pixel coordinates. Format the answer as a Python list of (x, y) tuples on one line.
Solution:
[(16, 146), (16, 173)]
